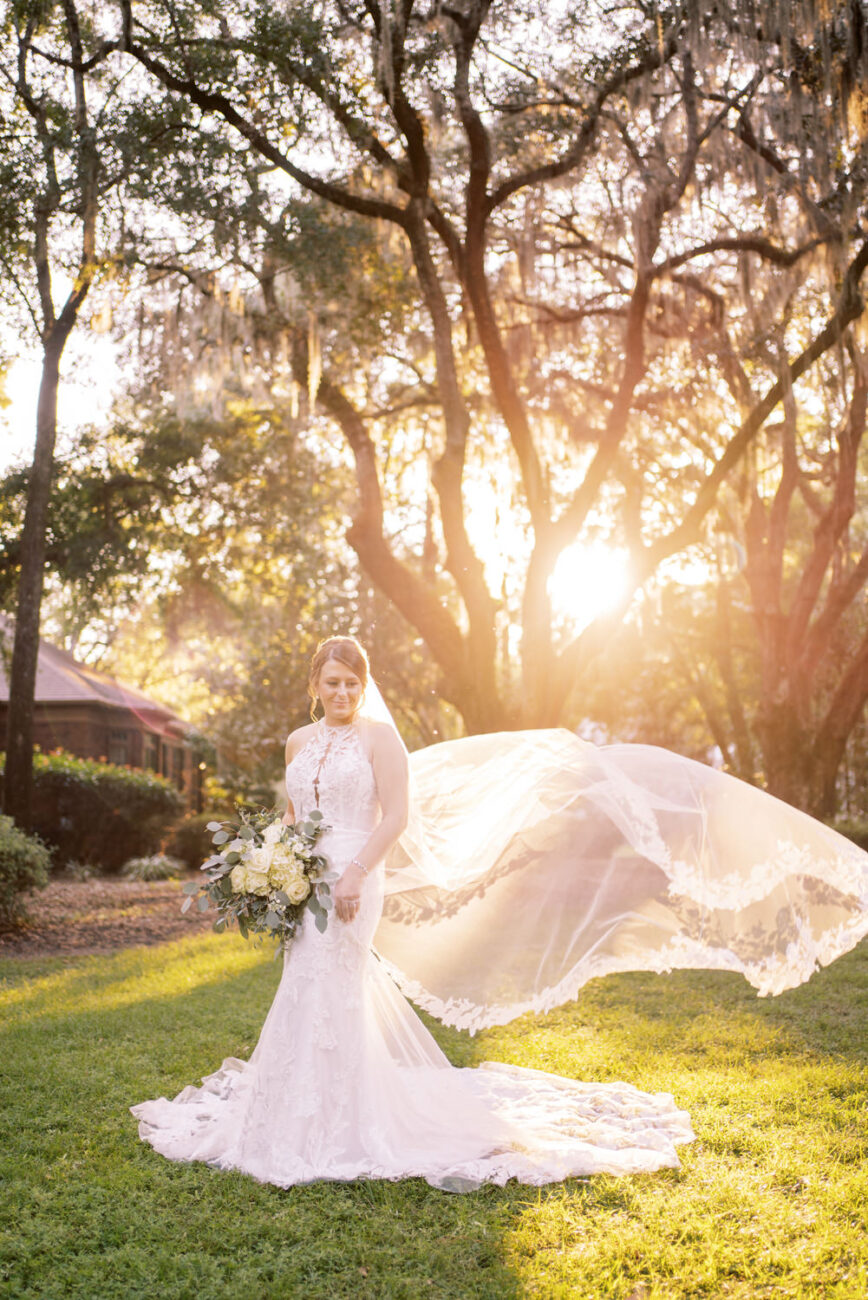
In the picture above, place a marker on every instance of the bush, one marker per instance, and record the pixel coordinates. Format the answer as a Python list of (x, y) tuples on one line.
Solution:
[(24, 864), (78, 871), (159, 866), (99, 813), (190, 841)]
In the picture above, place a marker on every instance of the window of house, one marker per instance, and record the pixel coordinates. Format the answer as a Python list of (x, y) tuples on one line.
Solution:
[(178, 767), (151, 755), (119, 746)]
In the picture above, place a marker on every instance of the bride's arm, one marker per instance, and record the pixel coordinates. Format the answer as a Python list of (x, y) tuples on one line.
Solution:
[(294, 742), (389, 761)]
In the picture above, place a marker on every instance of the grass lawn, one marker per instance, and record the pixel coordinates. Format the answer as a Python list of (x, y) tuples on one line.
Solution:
[(771, 1201)]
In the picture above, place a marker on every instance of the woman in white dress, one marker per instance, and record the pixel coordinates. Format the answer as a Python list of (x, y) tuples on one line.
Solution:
[(531, 863), (345, 1082)]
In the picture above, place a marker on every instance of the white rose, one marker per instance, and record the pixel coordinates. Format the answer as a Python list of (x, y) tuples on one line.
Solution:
[(258, 857), (298, 889), (273, 832)]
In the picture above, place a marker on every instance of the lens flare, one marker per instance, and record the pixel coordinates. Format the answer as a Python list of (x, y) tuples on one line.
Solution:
[(588, 579)]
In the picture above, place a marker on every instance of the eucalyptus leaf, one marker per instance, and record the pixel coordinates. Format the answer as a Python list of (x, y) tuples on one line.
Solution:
[(315, 815), (220, 838), (321, 922), (214, 826), (245, 833), (233, 857), (190, 887), (203, 902), (281, 897), (272, 920), (187, 903)]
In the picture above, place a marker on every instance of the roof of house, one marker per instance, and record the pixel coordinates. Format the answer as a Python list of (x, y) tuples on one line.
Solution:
[(61, 679)]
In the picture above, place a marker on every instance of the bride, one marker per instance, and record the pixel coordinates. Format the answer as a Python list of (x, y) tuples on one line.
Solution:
[(522, 865)]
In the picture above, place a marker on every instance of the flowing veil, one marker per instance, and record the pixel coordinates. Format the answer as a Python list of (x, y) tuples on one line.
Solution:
[(534, 861)]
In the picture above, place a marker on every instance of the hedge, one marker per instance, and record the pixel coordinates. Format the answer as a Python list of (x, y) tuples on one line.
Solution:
[(99, 813)]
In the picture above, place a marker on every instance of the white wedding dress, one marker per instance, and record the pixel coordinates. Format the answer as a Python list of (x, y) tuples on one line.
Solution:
[(345, 1082)]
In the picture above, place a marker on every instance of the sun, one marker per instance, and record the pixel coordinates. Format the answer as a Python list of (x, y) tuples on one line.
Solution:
[(588, 579)]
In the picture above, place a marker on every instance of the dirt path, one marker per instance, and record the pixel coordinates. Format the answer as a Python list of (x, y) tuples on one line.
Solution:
[(102, 915)]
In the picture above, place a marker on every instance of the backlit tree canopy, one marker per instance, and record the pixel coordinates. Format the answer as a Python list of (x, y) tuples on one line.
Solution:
[(573, 292), (628, 236)]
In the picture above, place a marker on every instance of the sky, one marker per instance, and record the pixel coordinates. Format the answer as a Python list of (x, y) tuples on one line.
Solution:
[(87, 385)]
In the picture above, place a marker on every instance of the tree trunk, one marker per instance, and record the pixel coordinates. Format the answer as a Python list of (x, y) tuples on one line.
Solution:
[(801, 763), (18, 780)]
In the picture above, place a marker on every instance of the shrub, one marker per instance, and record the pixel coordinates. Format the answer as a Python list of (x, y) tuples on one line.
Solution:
[(159, 866), (78, 871), (190, 841), (24, 864), (99, 813)]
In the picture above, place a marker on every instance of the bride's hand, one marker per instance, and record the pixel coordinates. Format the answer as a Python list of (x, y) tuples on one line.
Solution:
[(347, 893)]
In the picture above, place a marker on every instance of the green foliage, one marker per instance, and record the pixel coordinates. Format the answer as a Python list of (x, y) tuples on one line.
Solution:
[(190, 839), (99, 813), (24, 864), (770, 1201), (159, 866), (101, 522)]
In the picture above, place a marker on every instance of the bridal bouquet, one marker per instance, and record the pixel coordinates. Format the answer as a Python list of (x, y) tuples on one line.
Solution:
[(264, 874)]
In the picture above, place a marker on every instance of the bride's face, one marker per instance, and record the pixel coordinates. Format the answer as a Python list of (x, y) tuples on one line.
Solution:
[(340, 691)]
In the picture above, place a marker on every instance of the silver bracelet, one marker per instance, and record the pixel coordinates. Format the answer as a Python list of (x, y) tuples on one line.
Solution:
[(354, 862)]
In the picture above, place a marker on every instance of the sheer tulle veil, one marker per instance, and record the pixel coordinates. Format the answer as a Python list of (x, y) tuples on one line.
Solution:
[(534, 861)]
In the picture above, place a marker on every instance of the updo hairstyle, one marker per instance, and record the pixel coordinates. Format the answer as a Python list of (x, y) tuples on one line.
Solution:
[(347, 651)]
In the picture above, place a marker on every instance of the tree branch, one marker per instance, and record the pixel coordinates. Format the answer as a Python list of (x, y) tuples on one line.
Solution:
[(829, 528), (850, 305), (653, 58), (215, 102)]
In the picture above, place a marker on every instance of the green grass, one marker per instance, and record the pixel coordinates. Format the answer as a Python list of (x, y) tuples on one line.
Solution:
[(771, 1201)]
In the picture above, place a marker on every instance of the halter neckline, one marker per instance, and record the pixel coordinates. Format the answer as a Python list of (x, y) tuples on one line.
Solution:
[(339, 727)]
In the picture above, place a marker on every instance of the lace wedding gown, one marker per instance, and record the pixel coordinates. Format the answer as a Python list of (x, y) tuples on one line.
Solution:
[(345, 1082)]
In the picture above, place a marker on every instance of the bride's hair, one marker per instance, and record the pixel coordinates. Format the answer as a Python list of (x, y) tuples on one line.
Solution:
[(347, 651)]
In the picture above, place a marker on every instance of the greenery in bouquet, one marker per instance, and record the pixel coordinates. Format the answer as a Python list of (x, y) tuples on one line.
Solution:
[(264, 874)]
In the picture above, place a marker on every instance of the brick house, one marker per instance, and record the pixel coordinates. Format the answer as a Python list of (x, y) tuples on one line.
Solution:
[(94, 716)]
